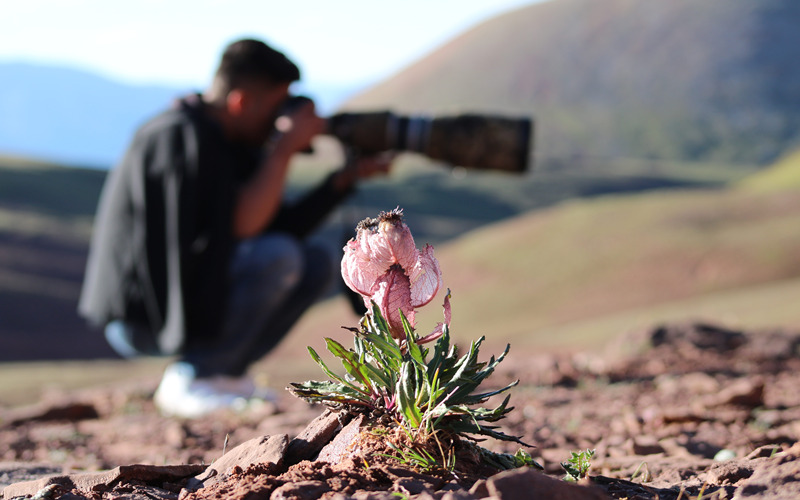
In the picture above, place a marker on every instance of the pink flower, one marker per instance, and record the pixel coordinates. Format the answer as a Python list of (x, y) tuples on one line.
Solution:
[(383, 265)]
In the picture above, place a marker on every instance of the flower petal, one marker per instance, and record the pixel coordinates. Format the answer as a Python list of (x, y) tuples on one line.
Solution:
[(400, 242), (358, 270), (393, 294), (425, 278), (439, 330), (373, 243)]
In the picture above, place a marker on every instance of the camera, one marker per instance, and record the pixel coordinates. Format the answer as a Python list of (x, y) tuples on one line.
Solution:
[(486, 142)]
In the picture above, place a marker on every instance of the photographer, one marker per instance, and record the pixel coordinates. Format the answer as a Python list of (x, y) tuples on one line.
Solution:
[(194, 255)]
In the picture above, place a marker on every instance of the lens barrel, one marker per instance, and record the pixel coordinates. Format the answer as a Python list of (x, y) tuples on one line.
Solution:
[(485, 142), (471, 140)]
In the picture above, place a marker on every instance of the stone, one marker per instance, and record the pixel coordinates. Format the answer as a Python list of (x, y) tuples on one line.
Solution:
[(301, 490), (100, 481), (410, 486), (260, 450), (67, 411), (480, 489), (313, 438), (777, 477), (646, 445), (746, 392), (529, 483), (766, 451), (341, 446), (17, 472)]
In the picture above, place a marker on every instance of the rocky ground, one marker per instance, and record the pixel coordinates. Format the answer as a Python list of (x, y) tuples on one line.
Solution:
[(677, 411)]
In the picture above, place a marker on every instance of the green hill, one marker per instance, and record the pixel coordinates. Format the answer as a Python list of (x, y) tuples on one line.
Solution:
[(586, 260), (46, 213), (579, 274), (784, 174), (678, 79)]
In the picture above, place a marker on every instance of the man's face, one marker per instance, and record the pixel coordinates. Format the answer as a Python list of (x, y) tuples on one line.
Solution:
[(258, 110)]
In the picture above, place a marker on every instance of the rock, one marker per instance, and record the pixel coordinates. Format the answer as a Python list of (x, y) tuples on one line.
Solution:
[(373, 495), (728, 473), (765, 451), (700, 335), (94, 482), (646, 445), (69, 411), (16, 472), (260, 450), (457, 495), (775, 478), (479, 489), (341, 446), (301, 490), (313, 438), (744, 392), (410, 486), (529, 483)]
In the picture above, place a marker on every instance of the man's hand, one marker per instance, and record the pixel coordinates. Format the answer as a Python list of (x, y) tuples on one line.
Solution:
[(363, 168), (299, 128)]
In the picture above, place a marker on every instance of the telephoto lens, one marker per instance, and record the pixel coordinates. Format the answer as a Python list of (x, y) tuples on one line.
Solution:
[(485, 142), (470, 140)]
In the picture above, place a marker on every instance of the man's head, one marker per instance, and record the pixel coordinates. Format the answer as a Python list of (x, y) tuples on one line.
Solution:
[(250, 84)]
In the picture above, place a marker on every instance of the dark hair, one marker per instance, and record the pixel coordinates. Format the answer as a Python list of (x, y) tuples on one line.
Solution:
[(247, 60)]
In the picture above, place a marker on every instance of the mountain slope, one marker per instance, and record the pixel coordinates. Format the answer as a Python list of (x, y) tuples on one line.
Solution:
[(678, 80), (784, 174), (581, 273), (71, 115)]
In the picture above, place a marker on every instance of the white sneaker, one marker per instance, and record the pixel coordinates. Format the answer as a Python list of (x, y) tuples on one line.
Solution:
[(181, 394)]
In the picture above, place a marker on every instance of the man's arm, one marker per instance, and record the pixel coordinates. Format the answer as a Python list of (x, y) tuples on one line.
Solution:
[(259, 200), (303, 216)]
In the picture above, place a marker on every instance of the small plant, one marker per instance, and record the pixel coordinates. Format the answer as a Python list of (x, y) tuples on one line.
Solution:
[(577, 466), (388, 372), (400, 381), (414, 454)]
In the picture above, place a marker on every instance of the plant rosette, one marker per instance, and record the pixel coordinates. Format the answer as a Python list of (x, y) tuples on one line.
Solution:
[(430, 394)]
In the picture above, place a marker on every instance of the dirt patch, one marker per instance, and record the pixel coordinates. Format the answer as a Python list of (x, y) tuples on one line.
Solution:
[(673, 411)]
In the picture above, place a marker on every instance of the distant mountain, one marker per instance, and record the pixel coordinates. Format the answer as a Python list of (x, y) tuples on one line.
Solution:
[(678, 79), (80, 118), (70, 115)]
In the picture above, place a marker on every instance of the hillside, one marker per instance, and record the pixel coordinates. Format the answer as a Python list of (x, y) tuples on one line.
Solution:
[(785, 174), (578, 274), (72, 116), (679, 80), (46, 213)]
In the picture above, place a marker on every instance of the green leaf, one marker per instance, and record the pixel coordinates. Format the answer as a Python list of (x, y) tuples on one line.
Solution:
[(351, 363), (406, 395), (474, 399), (327, 391), (324, 367), (377, 318), (411, 342), (441, 350), (387, 348)]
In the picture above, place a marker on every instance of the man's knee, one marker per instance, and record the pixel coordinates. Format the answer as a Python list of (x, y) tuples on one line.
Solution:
[(320, 267), (277, 258)]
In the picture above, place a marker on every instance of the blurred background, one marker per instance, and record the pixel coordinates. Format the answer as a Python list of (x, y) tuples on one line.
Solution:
[(664, 182)]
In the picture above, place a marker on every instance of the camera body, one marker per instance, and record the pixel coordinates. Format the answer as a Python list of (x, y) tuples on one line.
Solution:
[(486, 142)]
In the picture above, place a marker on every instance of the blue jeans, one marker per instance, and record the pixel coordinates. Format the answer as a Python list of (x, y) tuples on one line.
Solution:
[(274, 279)]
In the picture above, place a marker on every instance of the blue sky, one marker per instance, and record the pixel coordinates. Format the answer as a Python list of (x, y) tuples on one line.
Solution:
[(177, 43)]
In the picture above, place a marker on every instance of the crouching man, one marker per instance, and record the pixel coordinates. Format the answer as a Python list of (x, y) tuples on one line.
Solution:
[(194, 255)]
